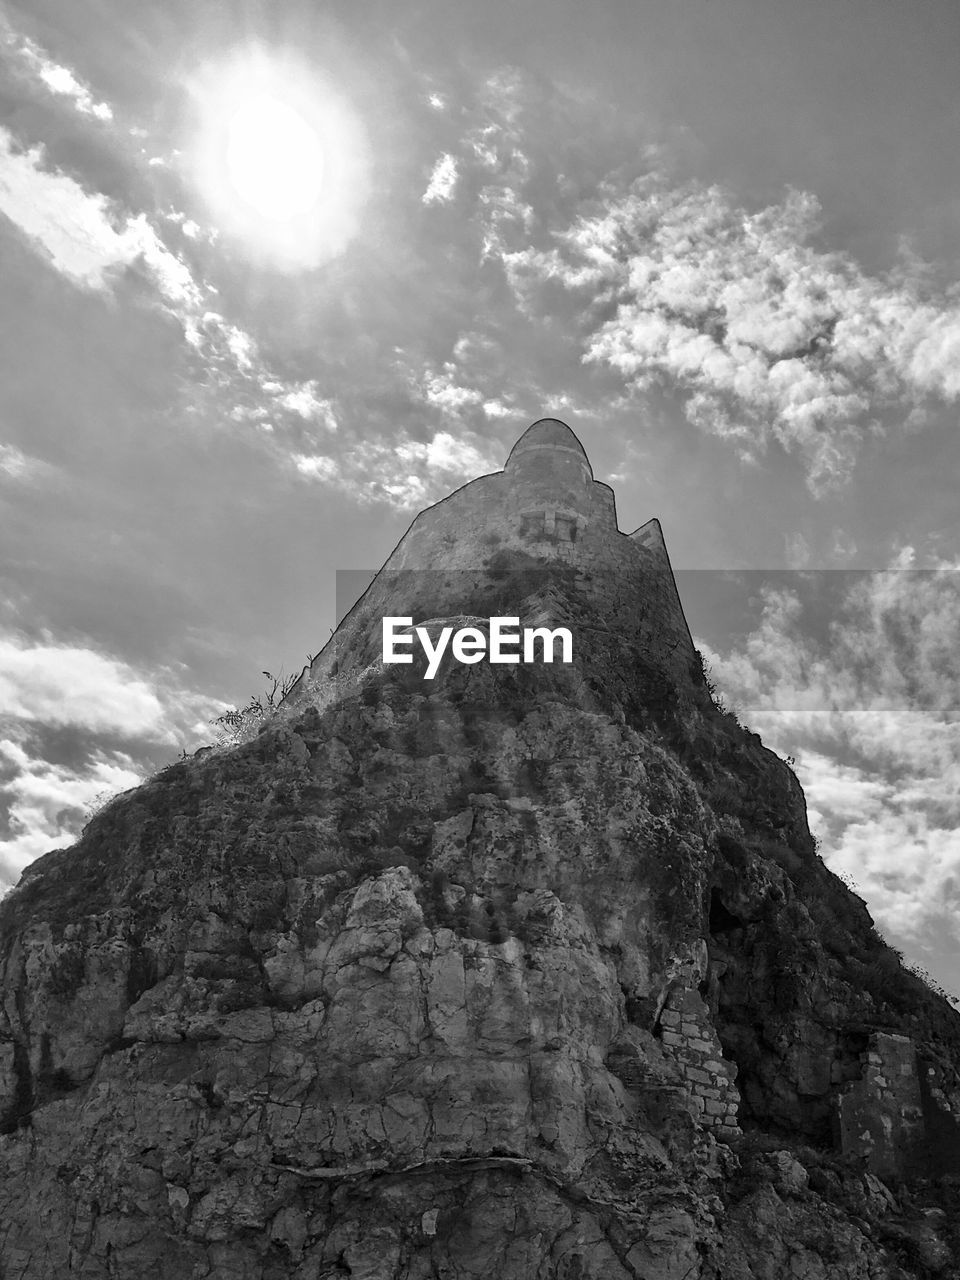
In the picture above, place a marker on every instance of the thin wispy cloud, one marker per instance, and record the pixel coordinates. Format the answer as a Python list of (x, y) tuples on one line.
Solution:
[(27, 57), (442, 182), (77, 231), (20, 468), (91, 242), (406, 473)]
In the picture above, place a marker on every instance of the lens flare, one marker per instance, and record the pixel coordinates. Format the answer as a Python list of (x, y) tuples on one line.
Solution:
[(279, 158), (274, 158)]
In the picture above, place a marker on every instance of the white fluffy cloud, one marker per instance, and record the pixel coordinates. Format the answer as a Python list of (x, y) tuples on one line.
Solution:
[(316, 466), (46, 802), (79, 695), (303, 399), (444, 392), (769, 337), (61, 685), (72, 227), (58, 684), (81, 234), (448, 454)]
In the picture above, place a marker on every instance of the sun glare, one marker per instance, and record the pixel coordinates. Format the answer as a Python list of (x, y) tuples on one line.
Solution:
[(274, 158), (280, 159)]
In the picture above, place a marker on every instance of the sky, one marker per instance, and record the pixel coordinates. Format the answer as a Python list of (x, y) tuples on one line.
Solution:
[(274, 277)]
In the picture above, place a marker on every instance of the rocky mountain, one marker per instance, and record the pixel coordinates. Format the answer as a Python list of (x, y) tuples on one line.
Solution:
[(526, 970)]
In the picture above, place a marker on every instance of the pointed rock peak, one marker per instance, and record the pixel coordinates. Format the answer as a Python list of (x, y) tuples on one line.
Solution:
[(547, 435)]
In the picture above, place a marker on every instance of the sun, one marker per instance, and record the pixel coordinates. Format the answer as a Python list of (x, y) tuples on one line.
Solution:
[(274, 158), (279, 157)]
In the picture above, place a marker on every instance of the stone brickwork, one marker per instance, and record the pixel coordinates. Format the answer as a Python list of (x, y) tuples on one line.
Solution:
[(880, 1115), (688, 1035)]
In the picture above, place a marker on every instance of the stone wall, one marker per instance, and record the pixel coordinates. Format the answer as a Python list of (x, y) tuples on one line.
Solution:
[(879, 1115), (689, 1036)]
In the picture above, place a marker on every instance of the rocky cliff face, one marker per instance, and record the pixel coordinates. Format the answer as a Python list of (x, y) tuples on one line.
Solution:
[(526, 971)]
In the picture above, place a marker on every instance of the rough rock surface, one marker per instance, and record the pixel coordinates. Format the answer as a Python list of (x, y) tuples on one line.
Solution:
[(528, 971)]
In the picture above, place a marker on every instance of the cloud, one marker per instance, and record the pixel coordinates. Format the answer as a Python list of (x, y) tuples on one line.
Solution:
[(60, 80), (19, 467), (441, 462), (907, 868), (64, 709), (316, 466), (46, 803), (448, 454), (408, 473), (304, 400), (59, 684), (72, 227), (769, 338), (173, 277), (444, 392), (80, 233), (797, 550), (840, 793), (858, 676), (57, 79), (662, 286), (496, 409), (91, 242), (442, 183)]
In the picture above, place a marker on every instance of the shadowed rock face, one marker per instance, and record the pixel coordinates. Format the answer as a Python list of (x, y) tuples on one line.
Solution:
[(527, 971)]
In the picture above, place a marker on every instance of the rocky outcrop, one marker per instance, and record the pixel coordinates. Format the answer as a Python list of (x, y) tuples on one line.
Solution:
[(527, 971)]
